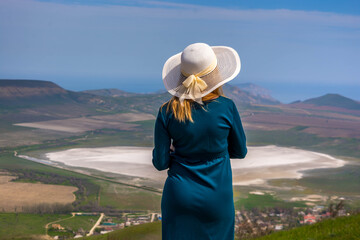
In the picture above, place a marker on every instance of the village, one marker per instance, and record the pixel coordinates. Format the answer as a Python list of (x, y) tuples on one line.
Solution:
[(103, 225), (254, 222), (257, 222)]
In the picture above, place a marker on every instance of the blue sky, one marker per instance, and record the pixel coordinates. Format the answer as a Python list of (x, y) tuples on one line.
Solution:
[(297, 49)]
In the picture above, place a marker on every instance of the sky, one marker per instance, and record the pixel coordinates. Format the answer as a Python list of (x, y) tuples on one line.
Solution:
[(296, 49)]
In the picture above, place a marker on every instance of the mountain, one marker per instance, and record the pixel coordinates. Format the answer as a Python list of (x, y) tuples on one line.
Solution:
[(329, 102), (262, 94), (36, 100), (111, 92), (28, 92), (237, 94), (241, 96), (334, 100), (16, 89), (24, 102)]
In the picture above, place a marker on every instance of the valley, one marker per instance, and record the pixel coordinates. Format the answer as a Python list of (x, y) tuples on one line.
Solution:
[(58, 120)]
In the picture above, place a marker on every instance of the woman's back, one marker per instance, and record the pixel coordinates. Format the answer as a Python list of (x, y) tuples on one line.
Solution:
[(214, 131), (197, 201)]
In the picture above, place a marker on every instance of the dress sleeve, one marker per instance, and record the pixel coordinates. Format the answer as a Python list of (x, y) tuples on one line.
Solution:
[(236, 139), (162, 141)]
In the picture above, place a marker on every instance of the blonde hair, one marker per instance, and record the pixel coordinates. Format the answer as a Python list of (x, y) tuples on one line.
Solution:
[(183, 112)]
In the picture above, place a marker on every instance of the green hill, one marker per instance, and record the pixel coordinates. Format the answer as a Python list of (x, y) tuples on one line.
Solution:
[(340, 228), (147, 231), (334, 100)]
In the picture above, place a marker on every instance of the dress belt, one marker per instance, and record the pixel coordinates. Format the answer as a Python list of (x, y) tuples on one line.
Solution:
[(201, 156)]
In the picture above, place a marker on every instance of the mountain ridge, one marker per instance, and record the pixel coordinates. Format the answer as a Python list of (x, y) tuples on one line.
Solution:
[(334, 100), (20, 88), (258, 91), (15, 90), (329, 102)]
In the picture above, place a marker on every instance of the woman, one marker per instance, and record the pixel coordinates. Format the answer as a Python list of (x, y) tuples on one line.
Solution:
[(206, 131)]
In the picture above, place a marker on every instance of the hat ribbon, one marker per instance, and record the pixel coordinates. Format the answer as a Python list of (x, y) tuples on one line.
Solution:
[(194, 85)]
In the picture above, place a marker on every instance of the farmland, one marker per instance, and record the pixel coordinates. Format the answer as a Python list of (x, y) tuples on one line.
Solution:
[(17, 196)]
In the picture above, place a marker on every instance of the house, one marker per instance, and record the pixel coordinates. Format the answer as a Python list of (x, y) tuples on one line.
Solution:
[(309, 218), (278, 227), (57, 226)]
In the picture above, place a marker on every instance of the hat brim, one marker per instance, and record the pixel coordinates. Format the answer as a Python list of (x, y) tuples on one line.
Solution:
[(228, 67)]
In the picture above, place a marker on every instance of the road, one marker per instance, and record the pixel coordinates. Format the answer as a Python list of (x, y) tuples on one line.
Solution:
[(91, 232), (47, 225), (152, 217)]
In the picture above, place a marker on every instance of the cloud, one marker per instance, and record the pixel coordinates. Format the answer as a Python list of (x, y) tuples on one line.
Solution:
[(163, 9), (99, 42)]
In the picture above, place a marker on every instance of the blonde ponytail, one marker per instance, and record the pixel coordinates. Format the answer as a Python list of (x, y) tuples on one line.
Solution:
[(182, 113)]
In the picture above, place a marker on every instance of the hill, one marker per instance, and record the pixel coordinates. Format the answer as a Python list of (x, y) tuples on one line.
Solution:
[(35, 100), (258, 92), (340, 228), (43, 110), (34, 93), (239, 95), (334, 100), (347, 227), (15, 89), (111, 92)]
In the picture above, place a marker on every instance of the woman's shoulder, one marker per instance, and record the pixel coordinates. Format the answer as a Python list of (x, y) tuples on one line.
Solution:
[(166, 105), (226, 100), (166, 109)]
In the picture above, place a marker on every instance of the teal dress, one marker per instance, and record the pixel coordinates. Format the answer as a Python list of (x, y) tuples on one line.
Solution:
[(197, 201)]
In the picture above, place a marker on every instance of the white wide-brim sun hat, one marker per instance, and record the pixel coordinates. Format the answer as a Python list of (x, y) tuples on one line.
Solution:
[(184, 73)]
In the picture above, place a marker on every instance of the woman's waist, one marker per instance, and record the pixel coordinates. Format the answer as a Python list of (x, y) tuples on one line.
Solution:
[(198, 156)]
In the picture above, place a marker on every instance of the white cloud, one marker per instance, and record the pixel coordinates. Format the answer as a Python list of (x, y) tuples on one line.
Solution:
[(134, 41)]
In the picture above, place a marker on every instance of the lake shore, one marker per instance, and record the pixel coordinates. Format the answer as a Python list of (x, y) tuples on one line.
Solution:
[(260, 164)]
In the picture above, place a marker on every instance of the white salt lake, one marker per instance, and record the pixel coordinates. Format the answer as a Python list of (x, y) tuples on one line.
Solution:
[(260, 164)]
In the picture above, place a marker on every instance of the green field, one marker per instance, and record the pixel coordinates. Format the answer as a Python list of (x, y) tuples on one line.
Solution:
[(22, 226), (264, 201), (125, 198), (77, 222)]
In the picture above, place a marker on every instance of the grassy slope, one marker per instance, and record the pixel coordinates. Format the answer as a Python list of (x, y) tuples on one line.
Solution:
[(341, 228), (18, 226), (148, 231)]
